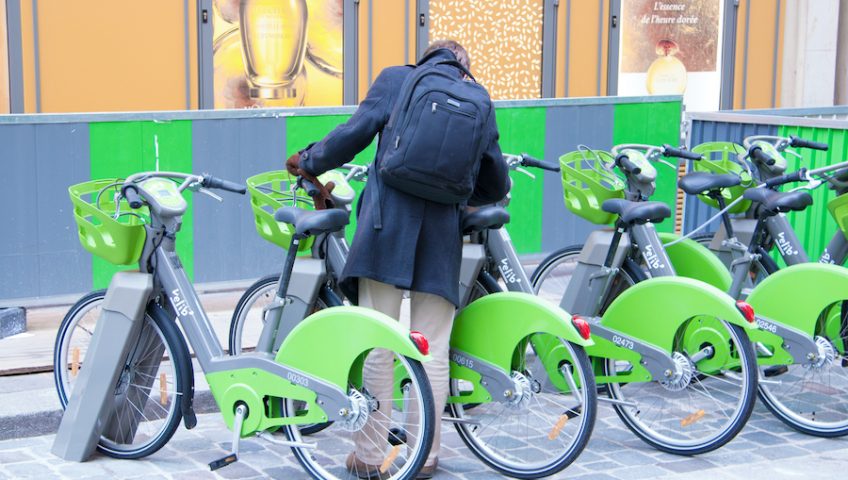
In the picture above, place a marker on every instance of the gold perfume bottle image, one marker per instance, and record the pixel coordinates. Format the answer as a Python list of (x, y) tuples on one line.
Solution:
[(273, 38), (667, 74)]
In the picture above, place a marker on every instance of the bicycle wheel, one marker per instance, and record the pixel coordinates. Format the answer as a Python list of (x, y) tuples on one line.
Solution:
[(248, 320), (383, 423), (548, 422), (810, 398), (707, 405), (146, 396)]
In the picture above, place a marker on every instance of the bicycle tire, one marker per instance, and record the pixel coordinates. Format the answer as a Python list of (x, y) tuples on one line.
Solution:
[(551, 424), (156, 322), (322, 466)]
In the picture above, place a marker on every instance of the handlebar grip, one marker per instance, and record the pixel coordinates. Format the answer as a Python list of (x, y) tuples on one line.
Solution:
[(130, 192), (800, 142), (670, 151), (798, 176), (310, 188), (529, 161), (213, 182), (759, 155), (624, 162)]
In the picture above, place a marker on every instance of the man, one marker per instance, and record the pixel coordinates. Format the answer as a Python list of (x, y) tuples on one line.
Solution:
[(404, 242)]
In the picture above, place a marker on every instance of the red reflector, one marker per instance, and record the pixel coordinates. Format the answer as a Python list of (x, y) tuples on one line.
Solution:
[(746, 310), (420, 342), (582, 327)]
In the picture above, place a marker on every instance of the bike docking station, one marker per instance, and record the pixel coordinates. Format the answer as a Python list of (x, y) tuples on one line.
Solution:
[(91, 410)]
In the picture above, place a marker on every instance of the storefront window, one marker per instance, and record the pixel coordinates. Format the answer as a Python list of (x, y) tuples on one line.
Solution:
[(503, 38), (277, 53)]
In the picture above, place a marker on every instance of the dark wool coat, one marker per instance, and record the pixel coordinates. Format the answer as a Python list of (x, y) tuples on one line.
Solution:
[(419, 246)]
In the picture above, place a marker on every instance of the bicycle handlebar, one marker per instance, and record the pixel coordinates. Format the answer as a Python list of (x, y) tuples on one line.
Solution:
[(670, 151), (529, 161), (623, 161), (214, 182), (801, 143), (130, 192), (797, 176), (759, 155), (310, 187)]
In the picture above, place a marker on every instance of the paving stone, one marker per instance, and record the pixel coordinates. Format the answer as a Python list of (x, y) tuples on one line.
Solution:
[(763, 438), (632, 457), (30, 470), (14, 456), (782, 451), (81, 470), (601, 466), (639, 472), (689, 465), (594, 476), (237, 470)]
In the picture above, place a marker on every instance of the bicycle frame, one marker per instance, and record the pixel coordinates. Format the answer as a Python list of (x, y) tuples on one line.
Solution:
[(298, 370)]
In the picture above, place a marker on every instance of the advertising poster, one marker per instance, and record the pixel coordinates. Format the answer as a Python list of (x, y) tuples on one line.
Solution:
[(277, 53), (4, 62), (672, 47), (503, 39)]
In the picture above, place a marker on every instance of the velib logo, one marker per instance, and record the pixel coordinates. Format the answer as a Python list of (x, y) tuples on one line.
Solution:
[(784, 246), (180, 304), (827, 258), (652, 258), (508, 273)]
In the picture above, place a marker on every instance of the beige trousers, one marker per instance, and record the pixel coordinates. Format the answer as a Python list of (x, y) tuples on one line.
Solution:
[(431, 315)]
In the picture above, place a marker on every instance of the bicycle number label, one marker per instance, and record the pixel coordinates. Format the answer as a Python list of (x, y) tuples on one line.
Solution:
[(462, 361), (769, 327), (297, 379), (623, 342)]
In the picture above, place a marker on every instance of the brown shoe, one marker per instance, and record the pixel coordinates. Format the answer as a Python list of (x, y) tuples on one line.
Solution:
[(427, 471), (364, 470)]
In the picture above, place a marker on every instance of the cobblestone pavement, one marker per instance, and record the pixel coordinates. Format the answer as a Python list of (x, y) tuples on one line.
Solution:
[(764, 450)]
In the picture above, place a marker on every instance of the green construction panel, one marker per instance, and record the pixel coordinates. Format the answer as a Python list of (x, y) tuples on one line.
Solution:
[(814, 226), (120, 149), (522, 130), (652, 124), (301, 131)]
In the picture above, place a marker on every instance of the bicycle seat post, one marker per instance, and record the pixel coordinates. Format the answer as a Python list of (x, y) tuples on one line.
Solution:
[(275, 310)]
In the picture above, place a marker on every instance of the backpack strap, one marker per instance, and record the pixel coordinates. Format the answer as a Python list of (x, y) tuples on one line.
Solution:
[(378, 214)]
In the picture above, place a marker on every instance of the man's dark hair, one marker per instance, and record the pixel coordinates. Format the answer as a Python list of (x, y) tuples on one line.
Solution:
[(454, 46)]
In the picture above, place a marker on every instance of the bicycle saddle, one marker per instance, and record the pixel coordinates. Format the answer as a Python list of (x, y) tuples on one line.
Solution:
[(483, 219), (637, 212), (312, 222), (700, 182), (779, 202)]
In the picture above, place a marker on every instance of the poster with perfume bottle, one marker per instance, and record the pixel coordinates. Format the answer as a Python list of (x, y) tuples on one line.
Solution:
[(672, 47), (4, 62), (277, 53)]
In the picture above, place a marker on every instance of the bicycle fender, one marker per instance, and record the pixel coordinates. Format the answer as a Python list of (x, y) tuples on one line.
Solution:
[(328, 343), (692, 260), (797, 295), (492, 327), (654, 310)]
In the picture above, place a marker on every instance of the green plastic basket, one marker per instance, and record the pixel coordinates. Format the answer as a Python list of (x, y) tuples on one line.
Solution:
[(838, 208), (117, 241), (717, 159), (586, 184), (268, 192)]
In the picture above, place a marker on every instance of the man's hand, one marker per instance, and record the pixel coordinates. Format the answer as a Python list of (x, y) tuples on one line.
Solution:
[(323, 200), (293, 164)]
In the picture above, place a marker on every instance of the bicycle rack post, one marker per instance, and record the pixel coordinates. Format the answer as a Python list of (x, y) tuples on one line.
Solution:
[(91, 403)]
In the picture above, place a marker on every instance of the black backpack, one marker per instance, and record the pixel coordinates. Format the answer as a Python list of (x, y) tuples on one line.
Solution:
[(435, 133)]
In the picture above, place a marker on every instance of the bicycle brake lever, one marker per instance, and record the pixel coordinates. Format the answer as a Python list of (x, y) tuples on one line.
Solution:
[(525, 172), (667, 163), (793, 152), (210, 193)]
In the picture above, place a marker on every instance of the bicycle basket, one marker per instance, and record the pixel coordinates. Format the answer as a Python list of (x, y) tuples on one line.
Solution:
[(838, 208), (118, 241), (586, 184), (268, 192), (717, 159)]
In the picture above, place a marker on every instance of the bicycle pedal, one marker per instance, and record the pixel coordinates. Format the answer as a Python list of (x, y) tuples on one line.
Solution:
[(775, 371), (223, 462)]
